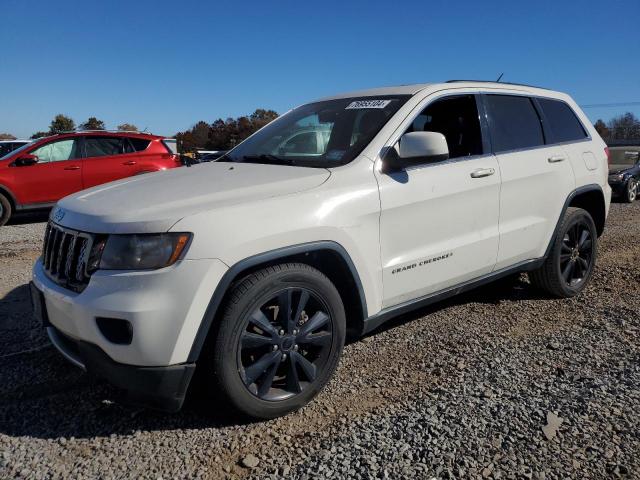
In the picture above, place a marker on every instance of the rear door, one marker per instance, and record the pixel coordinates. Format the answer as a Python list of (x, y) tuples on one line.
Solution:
[(57, 173), (536, 177), (107, 158)]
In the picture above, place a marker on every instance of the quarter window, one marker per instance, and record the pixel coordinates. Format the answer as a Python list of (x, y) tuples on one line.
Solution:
[(140, 144), (57, 151), (563, 123), (514, 124)]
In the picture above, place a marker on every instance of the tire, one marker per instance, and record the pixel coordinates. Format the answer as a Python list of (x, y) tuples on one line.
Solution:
[(5, 210), (264, 364), (631, 192), (574, 250)]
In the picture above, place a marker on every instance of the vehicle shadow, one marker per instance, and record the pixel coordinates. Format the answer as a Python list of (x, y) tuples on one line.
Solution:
[(512, 288), (43, 396), (30, 217)]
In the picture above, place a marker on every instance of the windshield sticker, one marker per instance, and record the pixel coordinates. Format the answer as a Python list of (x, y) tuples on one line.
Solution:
[(368, 104), (335, 154)]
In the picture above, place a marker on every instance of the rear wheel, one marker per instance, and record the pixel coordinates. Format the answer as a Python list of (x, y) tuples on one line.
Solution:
[(631, 191), (278, 342), (5, 210), (568, 268)]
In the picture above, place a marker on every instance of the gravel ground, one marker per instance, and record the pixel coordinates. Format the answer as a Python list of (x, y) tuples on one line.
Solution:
[(499, 383)]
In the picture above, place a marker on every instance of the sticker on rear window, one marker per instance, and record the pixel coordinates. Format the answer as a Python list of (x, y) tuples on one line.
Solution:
[(368, 104)]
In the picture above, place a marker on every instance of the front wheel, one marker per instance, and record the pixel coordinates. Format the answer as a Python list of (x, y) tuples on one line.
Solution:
[(632, 191), (278, 341), (5, 210), (569, 266)]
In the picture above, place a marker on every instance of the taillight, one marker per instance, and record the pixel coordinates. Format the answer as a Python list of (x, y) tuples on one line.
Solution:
[(608, 154)]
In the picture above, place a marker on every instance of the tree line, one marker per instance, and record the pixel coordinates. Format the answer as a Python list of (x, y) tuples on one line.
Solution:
[(62, 123), (223, 134), (219, 135), (621, 127)]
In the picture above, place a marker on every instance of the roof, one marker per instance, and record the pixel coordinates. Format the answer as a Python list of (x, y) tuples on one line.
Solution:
[(145, 135), (415, 88), (17, 140), (373, 92)]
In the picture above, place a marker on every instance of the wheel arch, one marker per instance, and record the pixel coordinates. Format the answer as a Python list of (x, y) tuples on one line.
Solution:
[(588, 197), (591, 199), (4, 191), (329, 257)]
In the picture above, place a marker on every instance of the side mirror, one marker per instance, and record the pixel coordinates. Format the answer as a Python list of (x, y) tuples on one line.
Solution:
[(26, 160), (416, 148)]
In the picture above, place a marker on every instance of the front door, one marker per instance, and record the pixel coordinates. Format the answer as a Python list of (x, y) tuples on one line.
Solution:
[(57, 173), (439, 221)]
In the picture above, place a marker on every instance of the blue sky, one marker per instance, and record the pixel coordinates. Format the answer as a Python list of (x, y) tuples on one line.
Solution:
[(165, 65)]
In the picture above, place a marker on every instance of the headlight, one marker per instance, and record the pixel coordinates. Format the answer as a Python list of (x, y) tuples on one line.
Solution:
[(617, 177), (137, 252)]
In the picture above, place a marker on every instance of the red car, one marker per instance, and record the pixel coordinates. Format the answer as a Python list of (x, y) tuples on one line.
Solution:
[(42, 172)]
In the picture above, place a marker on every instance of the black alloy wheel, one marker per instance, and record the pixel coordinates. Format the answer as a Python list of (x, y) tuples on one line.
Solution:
[(568, 267), (277, 341), (284, 344), (576, 254)]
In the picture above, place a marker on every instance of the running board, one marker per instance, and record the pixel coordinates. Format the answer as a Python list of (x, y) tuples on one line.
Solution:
[(374, 321)]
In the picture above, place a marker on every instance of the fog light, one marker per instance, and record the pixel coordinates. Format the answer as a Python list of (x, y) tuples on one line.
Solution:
[(116, 330)]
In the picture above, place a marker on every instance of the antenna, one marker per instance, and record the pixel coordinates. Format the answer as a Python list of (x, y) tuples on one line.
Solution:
[(498, 80)]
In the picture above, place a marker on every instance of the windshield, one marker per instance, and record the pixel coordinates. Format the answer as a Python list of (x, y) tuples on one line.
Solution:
[(13, 152), (323, 134)]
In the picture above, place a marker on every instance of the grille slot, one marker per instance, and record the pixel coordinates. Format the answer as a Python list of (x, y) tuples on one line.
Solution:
[(65, 254)]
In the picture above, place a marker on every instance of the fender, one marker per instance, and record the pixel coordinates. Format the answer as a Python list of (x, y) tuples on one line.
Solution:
[(266, 257)]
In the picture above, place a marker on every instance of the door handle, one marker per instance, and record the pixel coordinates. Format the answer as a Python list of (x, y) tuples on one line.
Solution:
[(129, 162), (483, 172), (72, 167), (556, 159)]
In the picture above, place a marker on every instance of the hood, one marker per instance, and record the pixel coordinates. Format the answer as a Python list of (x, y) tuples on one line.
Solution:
[(156, 201)]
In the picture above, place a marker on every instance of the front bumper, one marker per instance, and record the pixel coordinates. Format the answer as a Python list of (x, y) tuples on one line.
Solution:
[(618, 187), (162, 388), (164, 307)]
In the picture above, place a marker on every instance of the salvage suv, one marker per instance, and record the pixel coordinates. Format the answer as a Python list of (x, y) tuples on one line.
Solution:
[(40, 173), (255, 268)]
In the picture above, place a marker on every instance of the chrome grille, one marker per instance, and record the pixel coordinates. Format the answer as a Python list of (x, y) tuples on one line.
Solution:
[(65, 255)]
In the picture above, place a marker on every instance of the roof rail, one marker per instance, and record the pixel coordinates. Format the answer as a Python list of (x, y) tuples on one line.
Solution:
[(103, 130), (498, 83)]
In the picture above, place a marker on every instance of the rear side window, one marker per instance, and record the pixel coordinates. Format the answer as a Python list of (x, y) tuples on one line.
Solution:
[(563, 123), (514, 123), (104, 146)]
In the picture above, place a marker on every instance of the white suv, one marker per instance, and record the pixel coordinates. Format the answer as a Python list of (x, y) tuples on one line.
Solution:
[(255, 268)]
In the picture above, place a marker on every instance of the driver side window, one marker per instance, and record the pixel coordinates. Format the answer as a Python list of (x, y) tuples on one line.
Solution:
[(302, 143), (457, 119), (57, 151)]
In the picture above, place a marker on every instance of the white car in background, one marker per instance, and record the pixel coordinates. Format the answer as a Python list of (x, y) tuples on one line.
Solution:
[(8, 146), (254, 268)]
